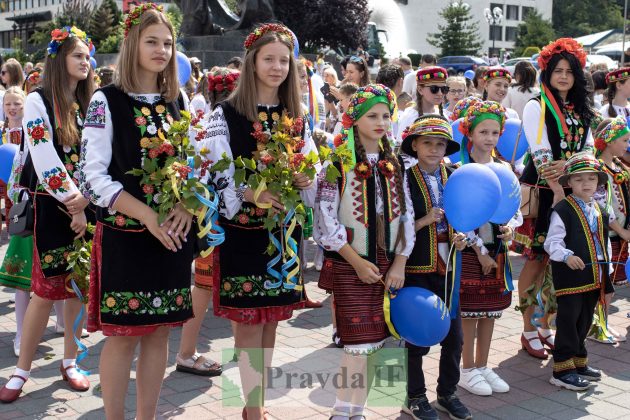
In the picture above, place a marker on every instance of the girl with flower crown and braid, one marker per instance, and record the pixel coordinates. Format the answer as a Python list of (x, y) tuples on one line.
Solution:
[(557, 125), (53, 119), (250, 294), (370, 201), (486, 278), (618, 93), (495, 89), (611, 142), (132, 303)]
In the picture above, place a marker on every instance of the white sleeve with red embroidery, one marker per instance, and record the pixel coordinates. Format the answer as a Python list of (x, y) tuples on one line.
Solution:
[(328, 232), (51, 172), (96, 154), (540, 152), (408, 223)]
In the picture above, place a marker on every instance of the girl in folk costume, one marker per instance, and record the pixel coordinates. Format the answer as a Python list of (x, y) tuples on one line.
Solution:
[(611, 141), (486, 278), (557, 125), (618, 93), (498, 82), (130, 302), (53, 117), (369, 201), (188, 360), (249, 294)]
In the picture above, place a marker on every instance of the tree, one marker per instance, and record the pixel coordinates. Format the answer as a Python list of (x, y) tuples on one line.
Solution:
[(573, 18), (533, 32), (73, 12), (104, 22), (460, 34), (338, 24)]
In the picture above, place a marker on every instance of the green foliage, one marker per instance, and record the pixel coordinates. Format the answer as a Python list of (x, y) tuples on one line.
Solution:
[(233, 6), (175, 15), (73, 12), (112, 43), (104, 22), (459, 35), (79, 261), (575, 18), (415, 59), (18, 54), (535, 31), (529, 51)]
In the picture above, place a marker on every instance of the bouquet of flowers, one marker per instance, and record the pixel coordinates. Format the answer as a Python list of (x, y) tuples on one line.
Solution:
[(79, 263)]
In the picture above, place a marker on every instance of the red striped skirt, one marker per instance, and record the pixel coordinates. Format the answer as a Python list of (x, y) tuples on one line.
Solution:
[(203, 272), (619, 254), (481, 293)]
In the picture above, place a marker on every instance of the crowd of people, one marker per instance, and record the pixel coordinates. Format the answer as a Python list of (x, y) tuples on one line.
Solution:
[(379, 225)]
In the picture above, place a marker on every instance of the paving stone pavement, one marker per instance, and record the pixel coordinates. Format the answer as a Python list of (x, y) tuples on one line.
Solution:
[(303, 346)]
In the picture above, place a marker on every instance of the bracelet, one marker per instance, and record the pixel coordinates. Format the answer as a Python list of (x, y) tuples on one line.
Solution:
[(240, 192)]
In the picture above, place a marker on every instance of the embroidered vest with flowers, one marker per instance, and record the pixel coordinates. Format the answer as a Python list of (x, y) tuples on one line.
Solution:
[(619, 181)]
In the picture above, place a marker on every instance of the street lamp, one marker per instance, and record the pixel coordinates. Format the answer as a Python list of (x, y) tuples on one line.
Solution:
[(493, 17)]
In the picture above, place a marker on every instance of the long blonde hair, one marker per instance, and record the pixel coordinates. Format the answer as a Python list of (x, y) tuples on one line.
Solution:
[(55, 86), (245, 98), (126, 75)]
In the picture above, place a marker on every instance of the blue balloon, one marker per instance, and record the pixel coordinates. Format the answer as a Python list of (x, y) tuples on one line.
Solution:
[(469, 74), (184, 69), (419, 316), (471, 196), (458, 137), (510, 200), (507, 141), (7, 153), (93, 63), (627, 267), (296, 47)]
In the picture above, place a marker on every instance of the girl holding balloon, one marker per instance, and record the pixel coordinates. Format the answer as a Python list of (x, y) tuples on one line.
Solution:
[(486, 281), (361, 266), (557, 125), (618, 93)]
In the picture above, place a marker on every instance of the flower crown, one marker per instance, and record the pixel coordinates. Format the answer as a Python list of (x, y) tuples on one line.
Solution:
[(618, 75), (558, 46), (59, 36), (363, 94), (269, 27), (220, 82), (477, 113), (461, 107), (615, 129), (497, 73), (133, 18), (33, 77)]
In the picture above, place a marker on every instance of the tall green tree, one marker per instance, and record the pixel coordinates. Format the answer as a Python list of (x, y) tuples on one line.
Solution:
[(459, 35), (575, 18), (104, 22), (535, 31)]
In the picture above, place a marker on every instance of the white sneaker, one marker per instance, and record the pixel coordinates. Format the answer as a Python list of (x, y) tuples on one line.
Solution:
[(496, 383), (474, 382), (16, 348)]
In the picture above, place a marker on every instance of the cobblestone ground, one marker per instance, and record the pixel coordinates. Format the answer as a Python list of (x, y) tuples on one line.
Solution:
[(303, 345)]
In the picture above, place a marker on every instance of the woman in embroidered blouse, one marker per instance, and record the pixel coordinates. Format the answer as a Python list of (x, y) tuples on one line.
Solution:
[(565, 130), (140, 278), (618, 93), (50, 173), (246, 293)]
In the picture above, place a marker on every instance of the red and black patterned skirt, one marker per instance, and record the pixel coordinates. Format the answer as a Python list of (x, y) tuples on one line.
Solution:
[(482, 296)]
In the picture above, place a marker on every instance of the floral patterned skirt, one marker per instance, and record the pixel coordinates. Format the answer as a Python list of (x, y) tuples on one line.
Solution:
[(18, 261)]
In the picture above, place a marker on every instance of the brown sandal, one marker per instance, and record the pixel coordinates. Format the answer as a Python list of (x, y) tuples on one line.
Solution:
[(198, 365)]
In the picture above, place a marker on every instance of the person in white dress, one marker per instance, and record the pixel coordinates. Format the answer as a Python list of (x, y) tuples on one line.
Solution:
[(618, 93)]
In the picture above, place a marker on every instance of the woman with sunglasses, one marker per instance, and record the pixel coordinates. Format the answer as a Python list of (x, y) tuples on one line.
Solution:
[(357, 71)]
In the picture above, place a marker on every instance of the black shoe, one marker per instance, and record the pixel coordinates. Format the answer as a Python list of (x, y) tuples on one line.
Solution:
[(571, 381), (337, 340), (590, 374), (420, 409), (453, 406)]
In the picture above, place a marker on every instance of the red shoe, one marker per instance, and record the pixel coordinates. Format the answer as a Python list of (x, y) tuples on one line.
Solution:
[(539, 354), (9, 395), (81, 384), (544, 341), (313, 304)]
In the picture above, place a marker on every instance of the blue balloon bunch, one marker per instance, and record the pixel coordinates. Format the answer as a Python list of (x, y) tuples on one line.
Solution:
[(512, 143)]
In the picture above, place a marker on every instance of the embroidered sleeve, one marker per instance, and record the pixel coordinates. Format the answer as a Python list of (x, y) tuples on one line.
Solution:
[(308, 195), (589, 144), (554, 244), (408, 223), (540, 152), (327, 231), (51, 172), (13, 186), (96, 154)]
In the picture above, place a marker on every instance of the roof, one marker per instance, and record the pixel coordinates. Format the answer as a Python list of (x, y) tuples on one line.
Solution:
[(591, 41), (32, 17)]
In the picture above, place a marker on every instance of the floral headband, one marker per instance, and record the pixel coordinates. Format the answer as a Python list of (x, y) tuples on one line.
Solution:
[(618, 127), (269, 27), (497, 73), (481, 111), (59, 36), (558, 46), (618, 75), (133, 18), (435, 74), (220, 82), (461, 107)]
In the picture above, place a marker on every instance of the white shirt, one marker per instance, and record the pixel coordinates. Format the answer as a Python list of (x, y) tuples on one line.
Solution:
[(517, 100), (410, 86), (198, 103), (621, 110)]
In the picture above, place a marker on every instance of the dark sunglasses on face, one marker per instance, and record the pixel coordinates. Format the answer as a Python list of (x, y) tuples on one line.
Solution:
[(3, 72), (435, 89)]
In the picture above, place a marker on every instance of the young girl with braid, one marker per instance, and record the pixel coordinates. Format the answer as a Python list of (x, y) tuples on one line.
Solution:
[(373, 258), (618, 93)]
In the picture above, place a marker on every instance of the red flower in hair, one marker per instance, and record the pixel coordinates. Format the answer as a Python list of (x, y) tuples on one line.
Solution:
[(600, 144), (219, 87), (346, 121), (338, 140)]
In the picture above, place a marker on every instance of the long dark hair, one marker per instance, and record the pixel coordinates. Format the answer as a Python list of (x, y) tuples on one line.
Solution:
[(525, 74), (578, 93)]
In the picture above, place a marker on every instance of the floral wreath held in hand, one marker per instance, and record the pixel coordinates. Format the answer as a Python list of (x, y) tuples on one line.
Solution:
[(60, 35), (133, 18)]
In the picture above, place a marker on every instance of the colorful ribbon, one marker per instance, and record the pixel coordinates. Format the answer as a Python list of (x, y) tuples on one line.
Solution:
[(271, 263), (387, 313), (291, 277), (455, 261), (82, 352)]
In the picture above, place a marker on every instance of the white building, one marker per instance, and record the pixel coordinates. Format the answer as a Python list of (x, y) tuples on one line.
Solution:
[(409, 22)]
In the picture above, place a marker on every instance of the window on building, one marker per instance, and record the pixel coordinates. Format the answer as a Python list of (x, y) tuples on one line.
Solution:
[(510, 33), (527, 11), (496, 33), (511, 12)]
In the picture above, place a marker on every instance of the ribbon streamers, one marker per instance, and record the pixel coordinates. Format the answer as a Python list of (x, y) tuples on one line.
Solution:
[(77, 328)]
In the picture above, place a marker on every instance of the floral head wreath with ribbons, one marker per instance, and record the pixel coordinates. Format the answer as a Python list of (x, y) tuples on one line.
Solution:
[(617, 128), (478, 112), (257, 33), (133, 18), (497, 73), (583, 162), (432, 74), (461, 107), (360, 103), (222, 81), (618, 75), (560, 45), (60, 35)]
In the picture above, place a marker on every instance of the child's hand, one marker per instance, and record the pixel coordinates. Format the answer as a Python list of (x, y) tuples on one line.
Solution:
[(575, 263), (435, 215), (367, 272), (459, 240), (487, 263), (395, 277), (506, 233)]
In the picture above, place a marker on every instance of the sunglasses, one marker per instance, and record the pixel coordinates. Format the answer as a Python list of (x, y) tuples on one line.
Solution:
[(355, 59), (457, 91), (436, 89)]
